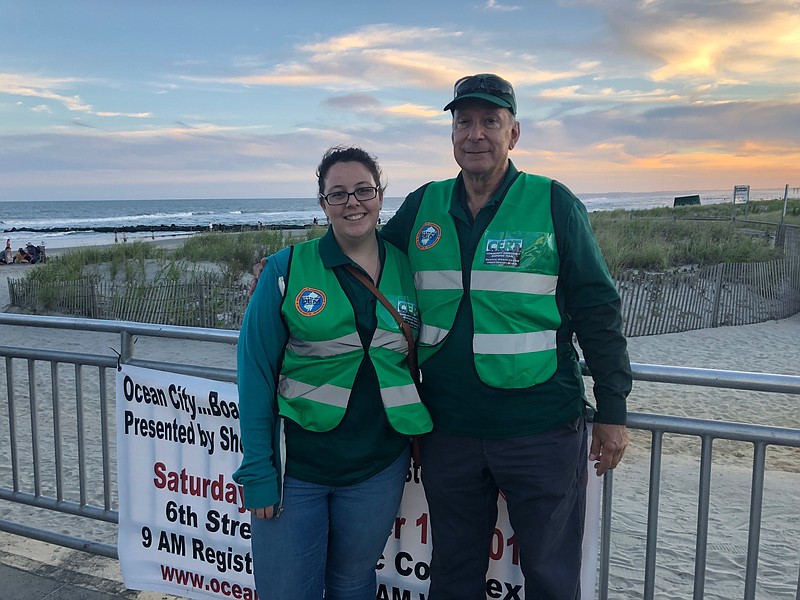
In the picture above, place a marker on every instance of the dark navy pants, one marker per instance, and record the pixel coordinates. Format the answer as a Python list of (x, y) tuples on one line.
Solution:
[(543, 477)]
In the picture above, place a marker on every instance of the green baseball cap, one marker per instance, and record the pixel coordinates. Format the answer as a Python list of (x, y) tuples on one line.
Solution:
[(484, 86)]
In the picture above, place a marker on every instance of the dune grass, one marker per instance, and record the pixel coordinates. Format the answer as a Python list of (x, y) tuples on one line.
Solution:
[(670, 237), (233, 253), (663, 244), (758, 210), (71, 265)]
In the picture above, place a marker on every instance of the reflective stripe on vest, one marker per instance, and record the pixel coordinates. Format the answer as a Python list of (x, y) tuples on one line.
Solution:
[(494, 281), (512, 282), (347, 343), (324, 351), (338, 396), (331, 395), (404, 395), (514, 343), (382, 339), (437, 280)]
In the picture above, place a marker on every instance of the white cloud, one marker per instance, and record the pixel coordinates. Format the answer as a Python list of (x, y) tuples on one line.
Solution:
[(416, 111), (16, 84), (379, 36), (141, 115), (588, 94), (737, 40), (388, 57), (494, 5)]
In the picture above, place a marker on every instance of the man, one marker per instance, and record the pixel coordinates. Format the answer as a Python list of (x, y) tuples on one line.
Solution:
[(507, 269)]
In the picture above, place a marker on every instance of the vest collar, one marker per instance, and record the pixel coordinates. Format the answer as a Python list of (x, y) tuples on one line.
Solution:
[(332, 255), (458, 206)]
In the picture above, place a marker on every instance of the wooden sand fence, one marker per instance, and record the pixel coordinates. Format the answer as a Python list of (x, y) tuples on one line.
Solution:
[(723, 294), (200, 303), (652, 303)]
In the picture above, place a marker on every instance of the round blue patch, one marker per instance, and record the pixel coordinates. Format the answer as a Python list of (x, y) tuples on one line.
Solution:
[(428, 236), (310, 301)]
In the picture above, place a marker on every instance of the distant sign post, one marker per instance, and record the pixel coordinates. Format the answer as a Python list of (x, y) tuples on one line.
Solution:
[(741, 195), (780, 234)]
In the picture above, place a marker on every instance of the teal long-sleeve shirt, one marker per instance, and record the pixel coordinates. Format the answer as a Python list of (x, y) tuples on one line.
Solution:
[(360, 446)]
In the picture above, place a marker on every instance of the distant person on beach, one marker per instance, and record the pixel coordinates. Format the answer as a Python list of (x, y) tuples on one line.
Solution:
[(8, 254), (508, 271), (22, 257), (35, 254), (324, 375)]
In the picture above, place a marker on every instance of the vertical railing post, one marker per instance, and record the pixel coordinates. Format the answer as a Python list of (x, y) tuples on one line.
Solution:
[(605, 533), (12, 423), (754, 534), (126, 347), (34, 404), (81, 434), (57, 450), (652, 515), (105, 438), (703, 499)]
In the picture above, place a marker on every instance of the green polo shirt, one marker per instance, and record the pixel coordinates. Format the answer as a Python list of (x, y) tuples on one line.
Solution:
[(459, 402), (362, 445)]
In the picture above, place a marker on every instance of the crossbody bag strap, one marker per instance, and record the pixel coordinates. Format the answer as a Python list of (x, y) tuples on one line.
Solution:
[(404, 327)]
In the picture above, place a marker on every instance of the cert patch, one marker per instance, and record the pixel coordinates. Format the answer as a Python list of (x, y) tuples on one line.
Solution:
[(506, 252), (409, 312), (428, 236), (310, 302)]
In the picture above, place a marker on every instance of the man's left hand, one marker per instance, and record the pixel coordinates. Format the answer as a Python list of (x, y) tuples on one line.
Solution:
[(608, 446)]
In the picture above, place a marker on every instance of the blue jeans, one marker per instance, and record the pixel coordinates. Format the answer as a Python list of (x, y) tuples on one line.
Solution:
[(543, 477), (328, 539)]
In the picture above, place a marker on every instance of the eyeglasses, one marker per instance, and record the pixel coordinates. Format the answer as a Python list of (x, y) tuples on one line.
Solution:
[(491, 84), (361, 194)]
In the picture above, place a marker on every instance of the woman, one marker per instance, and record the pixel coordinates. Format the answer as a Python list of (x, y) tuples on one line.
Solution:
[(323, 367), (22, 257)]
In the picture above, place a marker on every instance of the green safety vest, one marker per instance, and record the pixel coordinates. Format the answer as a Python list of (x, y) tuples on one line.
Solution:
[(512, 282), (324, 350)]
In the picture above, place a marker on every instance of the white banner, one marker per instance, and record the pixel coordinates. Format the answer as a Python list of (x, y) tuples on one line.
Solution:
[(183, 529)]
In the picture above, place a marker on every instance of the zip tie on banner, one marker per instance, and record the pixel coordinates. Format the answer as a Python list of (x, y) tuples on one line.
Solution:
[(119, 358)]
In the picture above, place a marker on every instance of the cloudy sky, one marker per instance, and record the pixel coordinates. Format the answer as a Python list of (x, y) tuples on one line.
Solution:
[(180, 99)]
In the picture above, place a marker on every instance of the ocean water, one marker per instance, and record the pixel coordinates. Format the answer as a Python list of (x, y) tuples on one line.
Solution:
[(80, 217)]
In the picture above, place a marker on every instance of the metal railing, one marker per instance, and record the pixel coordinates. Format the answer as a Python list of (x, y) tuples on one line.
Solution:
[(75, 487)]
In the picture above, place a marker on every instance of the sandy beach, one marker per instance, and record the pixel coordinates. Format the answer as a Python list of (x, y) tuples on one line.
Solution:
[(765, 347)]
